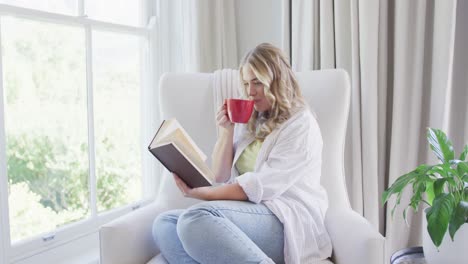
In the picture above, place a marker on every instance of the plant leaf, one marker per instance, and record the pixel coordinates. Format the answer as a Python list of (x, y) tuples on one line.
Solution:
[(438, 217), (448, 171), (404, 215), (438, 169), (464, 153), (430, 192), (459, 217), (462, 168), (452, 182), (440, 144), (397, 202), (419, 187), (439, 186), (403, 181)]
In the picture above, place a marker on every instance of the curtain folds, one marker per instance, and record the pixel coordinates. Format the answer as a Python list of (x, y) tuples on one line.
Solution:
[(192, 36), (408, 72), (198, 35)]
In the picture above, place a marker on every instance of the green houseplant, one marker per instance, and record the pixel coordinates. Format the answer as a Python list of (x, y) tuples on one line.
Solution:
[(445, 185)]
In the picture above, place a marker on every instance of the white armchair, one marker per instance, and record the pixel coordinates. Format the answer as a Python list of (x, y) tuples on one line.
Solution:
[(189, 98)]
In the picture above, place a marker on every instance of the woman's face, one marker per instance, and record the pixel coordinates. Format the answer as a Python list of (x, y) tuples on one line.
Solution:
[(255, 90)]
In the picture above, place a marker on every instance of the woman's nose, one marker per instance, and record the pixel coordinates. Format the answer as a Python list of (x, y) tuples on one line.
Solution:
[(251, 90)]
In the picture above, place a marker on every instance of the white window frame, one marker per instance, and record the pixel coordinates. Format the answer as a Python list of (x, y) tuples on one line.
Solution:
[(26, 248), (4, 211)]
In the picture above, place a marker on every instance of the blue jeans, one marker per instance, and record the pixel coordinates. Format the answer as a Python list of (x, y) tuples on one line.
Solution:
[(220, 232)]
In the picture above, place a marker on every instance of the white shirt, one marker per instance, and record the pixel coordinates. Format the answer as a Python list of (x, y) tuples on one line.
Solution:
[(286, 179)]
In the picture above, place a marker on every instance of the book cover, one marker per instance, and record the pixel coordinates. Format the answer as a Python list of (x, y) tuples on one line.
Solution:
[(174, 148)]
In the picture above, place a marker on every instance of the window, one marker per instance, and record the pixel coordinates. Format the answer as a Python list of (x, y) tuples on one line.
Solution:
[(46, 125), (65, 7), (74, 79), (117, 122), (124, 11)]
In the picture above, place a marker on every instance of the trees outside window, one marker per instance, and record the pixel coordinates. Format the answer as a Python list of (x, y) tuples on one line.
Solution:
[(72, 106)]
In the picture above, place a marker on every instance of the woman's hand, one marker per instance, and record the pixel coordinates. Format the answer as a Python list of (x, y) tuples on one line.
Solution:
[(231, 191), (223, 152), (202, 193), (222, 118)]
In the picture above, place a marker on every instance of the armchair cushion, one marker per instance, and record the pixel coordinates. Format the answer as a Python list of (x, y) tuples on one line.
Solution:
[(354, 239), (128, 239)]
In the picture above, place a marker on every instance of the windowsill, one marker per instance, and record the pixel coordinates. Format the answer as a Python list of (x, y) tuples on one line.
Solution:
[(84, 250), (91, 257)]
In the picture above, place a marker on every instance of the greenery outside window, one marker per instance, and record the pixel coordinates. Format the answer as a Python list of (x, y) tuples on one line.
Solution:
[(73, 121)]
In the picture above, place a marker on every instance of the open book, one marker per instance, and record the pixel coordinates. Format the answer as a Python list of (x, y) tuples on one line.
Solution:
[(176, 150)]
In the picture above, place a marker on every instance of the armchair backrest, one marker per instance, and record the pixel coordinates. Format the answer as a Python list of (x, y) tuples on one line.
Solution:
[(189, 98), (328, 94)]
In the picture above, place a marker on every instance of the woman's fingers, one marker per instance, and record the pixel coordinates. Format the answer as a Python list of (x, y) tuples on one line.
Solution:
[(181, 185), (222, 118), (220, 114), (197, 193), (224, 122), (221, 110)]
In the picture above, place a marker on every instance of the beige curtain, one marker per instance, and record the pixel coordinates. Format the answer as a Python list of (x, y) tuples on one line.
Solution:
[(408, 71), (197, 35), (190, 36)]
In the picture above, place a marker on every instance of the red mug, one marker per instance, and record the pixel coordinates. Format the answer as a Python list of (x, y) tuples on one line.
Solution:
[(239, 110)]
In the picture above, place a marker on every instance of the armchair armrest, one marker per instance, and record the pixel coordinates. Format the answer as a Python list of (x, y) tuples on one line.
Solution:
[(128, 239), (354, 239)]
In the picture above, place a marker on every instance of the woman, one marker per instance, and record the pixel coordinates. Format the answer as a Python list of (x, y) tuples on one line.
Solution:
[(271, 208)]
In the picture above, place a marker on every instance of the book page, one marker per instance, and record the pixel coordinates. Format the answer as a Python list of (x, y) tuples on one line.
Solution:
[(167, 128), (184, 137), (177, 138), (190, 141), (171, 130)]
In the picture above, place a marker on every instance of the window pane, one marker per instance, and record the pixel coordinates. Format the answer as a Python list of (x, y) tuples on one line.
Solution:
[(117, 70), (66, 7), (127, 12), (46, 125)]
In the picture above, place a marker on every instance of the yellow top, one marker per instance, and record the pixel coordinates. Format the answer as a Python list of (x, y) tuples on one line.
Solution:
[(246, 161)]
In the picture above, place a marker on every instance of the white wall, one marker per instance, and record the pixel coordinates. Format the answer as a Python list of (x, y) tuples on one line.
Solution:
[(258, 21)]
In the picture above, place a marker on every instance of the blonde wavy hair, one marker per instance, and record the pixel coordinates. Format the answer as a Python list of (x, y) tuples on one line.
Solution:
[(272, 69)]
